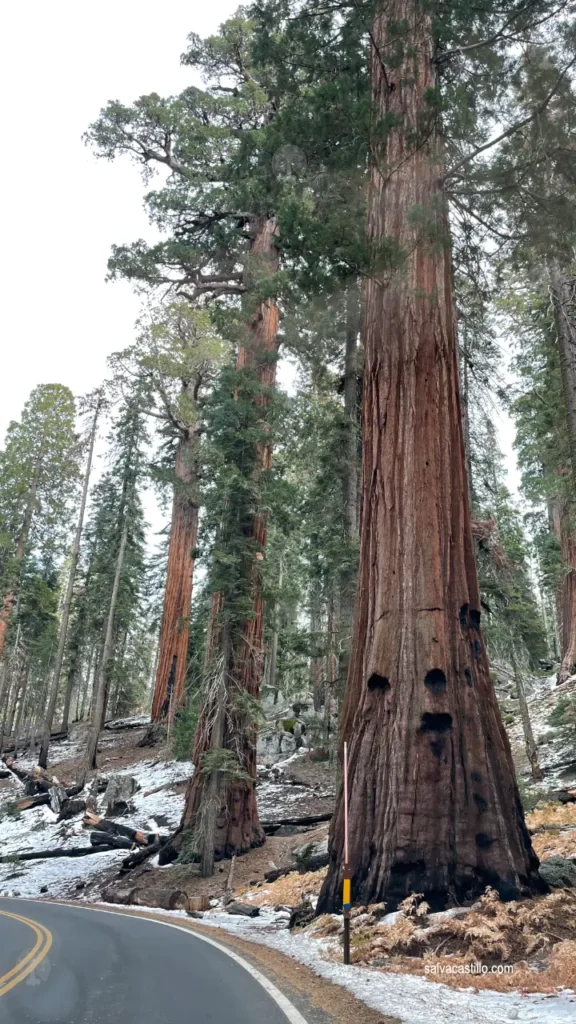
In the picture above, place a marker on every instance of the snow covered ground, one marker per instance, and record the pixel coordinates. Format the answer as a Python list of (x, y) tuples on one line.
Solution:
[(38, 829)]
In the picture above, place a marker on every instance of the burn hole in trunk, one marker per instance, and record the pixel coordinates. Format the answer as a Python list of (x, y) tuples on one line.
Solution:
[(480, 802), (378, 683), (435, 680), (483, 841), (464, 614), (441, 722), (474, 618), (468, 676)]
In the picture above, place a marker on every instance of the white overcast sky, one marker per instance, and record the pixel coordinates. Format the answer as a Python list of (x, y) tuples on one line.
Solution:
[(61, 208)]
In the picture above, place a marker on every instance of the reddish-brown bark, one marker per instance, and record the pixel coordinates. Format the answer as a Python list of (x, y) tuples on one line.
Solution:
[(434, 806), (565, 530), (173, 652), (237, 825)]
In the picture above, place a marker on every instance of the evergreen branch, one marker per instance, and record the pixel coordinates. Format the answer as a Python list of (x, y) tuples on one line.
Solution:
[(514, 127), (459, 51)]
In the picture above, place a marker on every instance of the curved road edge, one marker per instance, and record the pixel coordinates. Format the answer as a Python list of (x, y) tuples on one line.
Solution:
[(288, 1009)]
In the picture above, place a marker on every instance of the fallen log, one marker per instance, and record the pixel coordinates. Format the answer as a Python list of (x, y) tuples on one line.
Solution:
[(37, 778), (121, 724), (139, 856), (166, 899), (73, 851), (11, 746), (33, 801), (112, 842), (92, 820), (311, 819), (70, 808)]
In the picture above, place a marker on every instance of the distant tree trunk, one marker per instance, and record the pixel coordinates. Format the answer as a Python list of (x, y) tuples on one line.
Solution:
[(563, 294), (529, 741), (63, 633), (237, 827), (565, 531), (434, 805), (173, 653), (317, 663), (101, 679), (8, 600)]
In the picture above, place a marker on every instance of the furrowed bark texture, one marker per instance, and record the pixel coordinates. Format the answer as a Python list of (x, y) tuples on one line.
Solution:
[(434, 806), (10, 597), (565, 530), (237, 826), (173, 652)]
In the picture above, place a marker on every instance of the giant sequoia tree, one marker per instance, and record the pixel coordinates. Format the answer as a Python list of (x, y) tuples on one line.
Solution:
[(434, 806)]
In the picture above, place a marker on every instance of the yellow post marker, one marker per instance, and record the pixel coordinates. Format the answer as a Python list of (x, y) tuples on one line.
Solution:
[(347, 882)]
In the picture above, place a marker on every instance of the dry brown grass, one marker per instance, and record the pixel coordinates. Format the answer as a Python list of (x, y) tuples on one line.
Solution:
[(289, 890), (551, 816), (555, 844), (528, 934)]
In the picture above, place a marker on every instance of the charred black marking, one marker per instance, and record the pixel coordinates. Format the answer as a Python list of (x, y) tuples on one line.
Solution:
[(477, 648), (476, 776), (437, 747), (474, 618), (405, 867), (468, 676), (441, 722), (435, 680), (480, 802), (380, 683), (483, 841), (464, 614)]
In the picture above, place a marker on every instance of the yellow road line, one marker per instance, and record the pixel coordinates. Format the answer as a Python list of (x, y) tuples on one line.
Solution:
[(28, 963)]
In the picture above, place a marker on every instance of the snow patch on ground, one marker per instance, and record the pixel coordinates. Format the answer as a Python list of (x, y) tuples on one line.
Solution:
[(414, 1000), (37, 829)]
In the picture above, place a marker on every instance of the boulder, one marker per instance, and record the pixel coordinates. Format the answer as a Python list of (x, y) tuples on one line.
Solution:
[(558, 872), (302, 915), (312, 856), (243, 910), (119, 791)]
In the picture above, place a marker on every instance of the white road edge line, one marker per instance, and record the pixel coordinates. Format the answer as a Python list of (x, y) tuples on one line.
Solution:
[(288, 1008)]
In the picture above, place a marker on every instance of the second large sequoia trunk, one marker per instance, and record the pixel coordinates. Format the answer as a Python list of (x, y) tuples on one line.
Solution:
[(434, 806)]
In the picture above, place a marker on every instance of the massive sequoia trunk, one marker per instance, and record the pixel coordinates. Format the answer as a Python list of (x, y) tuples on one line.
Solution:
[(565, 531), (235, 657), (434, 806), (173, 651)]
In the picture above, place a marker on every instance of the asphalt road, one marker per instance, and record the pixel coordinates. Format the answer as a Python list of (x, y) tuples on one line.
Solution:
[(68, 965)]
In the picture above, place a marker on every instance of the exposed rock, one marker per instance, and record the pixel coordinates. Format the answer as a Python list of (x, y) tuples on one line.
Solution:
[(118, 793), (302, 915), (243, 910), (312, 856), (559, 872)]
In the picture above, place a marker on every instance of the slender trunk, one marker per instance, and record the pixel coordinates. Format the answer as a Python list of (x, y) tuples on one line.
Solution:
[(434, 805), (83, 696), (529, 741), (238, 826), (100, 681), (9, 597), (63, 632), (173, 653), (317, 642), (272, 668), (565, 531), (563, 294)]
